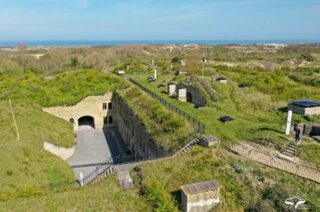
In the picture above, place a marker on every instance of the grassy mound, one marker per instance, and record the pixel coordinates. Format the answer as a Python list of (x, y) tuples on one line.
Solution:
[(26, 169), (246, 185), (169, 130), (105, 196), (65, 89), (258, 108)]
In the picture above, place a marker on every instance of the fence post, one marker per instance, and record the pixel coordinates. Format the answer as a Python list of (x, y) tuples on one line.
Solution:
[(200, 127), (81, 179)]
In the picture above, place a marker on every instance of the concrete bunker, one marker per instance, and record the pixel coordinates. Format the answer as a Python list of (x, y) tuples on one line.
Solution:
[(189, 97), (111, 111), (185, 92), (100, 108), (86, 121)]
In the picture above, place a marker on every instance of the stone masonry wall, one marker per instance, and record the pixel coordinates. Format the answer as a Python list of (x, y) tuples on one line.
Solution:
[(134, 133), (90, 106), (132, 130)]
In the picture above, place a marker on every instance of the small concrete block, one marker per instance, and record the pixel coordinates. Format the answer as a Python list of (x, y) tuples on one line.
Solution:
[(316, 138), (208, 141)]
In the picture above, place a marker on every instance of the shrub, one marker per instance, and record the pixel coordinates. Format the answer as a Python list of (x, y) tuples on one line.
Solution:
[(160, 199), (9, 172)]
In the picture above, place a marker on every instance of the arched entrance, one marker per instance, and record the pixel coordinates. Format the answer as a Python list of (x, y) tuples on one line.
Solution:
[(86, 121), (189, 97)]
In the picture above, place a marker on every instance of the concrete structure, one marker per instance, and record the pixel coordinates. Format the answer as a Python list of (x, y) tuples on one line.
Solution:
[(134, 133), (221, 80), (305, 107), (181, 93), (171, 86), (125, 180), (185, 92), (194, 96), (289, 119), (316, 138), (310, 129), (208, 141), (63, 153), (202, 196), (94, 110), (112, 110), (95, 148), (121, 72), (269, 159)]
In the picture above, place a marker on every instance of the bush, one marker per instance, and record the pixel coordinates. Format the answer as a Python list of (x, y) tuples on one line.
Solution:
[(160, 199), (9, 172)]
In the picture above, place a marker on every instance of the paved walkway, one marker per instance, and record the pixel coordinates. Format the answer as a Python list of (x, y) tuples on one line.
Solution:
[(93, 148)]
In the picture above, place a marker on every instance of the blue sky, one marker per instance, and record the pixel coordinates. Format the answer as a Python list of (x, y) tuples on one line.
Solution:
[(159, 19)]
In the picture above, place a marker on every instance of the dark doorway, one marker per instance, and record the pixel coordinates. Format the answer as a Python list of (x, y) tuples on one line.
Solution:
[(86, 121), (110, 120), (189, 97)]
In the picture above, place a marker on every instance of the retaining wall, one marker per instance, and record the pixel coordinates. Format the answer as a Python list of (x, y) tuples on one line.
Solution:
[(134, 133), (63, 153)]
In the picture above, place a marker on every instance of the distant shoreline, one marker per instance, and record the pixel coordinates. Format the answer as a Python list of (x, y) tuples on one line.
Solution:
[(61, 43)]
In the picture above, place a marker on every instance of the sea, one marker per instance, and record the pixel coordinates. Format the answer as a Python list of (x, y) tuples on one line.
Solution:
[(67, 43)]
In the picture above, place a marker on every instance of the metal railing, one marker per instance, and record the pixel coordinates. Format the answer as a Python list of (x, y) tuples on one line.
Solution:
[(97, 172), (121, 160), (200, 127), (101, 168)]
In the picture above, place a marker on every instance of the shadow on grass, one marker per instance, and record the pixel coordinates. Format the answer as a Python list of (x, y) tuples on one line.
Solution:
[(283, 109), (270, 129), (177, 197)]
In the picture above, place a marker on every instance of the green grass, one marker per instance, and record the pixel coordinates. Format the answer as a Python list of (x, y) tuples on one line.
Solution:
[(27, 169), (33, 179), (243, 182), (169, 130), (310, 151), (243, 105), (105, 196), (257, 109), (64, 89)]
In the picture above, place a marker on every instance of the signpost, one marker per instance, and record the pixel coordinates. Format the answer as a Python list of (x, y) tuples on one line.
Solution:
[(14, 121), (289, 122)]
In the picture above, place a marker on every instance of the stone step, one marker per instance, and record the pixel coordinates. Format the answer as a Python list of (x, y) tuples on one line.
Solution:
[(289, 150), (287, 154), (292, 146)]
